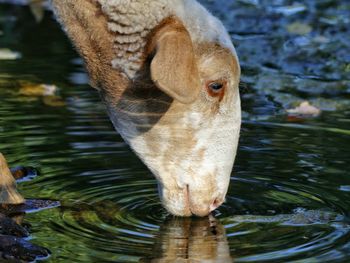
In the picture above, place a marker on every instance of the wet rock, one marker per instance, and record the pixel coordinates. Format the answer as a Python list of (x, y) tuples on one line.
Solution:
[(300, 216), (13, 248), (23, 173), (19, 250), (9, 227), (12, 245), (30, 205)]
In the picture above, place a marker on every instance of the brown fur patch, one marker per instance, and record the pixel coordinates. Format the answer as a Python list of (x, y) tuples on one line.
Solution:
[(87, 28), (174, 67)]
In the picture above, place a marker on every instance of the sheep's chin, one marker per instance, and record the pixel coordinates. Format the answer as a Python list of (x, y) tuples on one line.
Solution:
[(190, 200), (193, 173)]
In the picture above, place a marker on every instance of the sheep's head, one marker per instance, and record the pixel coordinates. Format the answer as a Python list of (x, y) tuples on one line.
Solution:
[(180, 110)]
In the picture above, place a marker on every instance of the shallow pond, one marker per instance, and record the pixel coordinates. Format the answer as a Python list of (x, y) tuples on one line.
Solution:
[(290, 188)]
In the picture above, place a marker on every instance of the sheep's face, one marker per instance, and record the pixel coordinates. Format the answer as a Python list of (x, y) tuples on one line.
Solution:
[(197, 142), (190, 147), (180, 112)]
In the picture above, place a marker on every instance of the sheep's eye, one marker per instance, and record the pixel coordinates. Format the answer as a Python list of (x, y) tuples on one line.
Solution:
[(216, 89), (216, 86)]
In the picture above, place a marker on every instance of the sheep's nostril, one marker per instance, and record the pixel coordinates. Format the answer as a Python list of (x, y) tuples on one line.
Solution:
[(199, 205), (187, 197), (216, 203)]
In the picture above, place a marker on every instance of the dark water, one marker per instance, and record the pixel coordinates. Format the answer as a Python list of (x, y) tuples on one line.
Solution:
[(290, 188)]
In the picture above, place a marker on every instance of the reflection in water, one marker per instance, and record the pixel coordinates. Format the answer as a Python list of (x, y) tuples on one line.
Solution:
[(111, 211), (191, 240)]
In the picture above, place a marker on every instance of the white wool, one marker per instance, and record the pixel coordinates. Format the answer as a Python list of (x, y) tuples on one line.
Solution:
[(133, 20)]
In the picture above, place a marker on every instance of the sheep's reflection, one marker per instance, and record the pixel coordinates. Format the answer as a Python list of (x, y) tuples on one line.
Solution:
[(191, 240)]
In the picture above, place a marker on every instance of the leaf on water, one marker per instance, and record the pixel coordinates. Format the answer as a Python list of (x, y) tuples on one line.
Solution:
[(305, 109), (27, 99), (54, 101), (45, 91), (37, 90), (7, 54), (290, 9), (299, 28)]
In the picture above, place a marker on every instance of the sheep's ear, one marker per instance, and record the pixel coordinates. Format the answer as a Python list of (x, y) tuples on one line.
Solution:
[(173, 68)]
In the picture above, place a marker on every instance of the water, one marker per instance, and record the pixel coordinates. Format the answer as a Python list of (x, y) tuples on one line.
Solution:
[(289, 193)]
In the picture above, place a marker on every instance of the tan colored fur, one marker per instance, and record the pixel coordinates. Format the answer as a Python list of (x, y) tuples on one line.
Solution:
[(174, 68), (8, 189), (87, 27)]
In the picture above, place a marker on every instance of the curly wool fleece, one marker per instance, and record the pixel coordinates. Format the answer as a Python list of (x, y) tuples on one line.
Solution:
[(132, 21)]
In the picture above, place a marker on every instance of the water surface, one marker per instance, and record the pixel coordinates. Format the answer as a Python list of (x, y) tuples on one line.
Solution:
[(289, 193)]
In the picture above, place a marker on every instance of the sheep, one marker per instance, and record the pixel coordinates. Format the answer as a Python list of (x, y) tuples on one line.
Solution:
[(168, 74)]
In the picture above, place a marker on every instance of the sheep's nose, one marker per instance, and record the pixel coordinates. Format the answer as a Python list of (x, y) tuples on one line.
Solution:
[(202, 206), (216, 203)]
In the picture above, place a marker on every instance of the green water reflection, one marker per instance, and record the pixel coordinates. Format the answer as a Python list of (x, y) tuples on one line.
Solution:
[(289, 195)]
